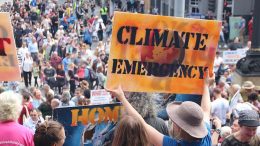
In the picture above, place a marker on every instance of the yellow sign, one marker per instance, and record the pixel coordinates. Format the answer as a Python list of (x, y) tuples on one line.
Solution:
[(9, 69), (151, 53)]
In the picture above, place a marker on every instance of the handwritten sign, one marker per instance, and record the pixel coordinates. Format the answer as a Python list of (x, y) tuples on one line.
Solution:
[(9, 69), (100, 97), (232, 57), (151, 53)]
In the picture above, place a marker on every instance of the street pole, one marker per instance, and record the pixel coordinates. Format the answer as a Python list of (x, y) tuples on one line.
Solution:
[(111, 8), (179, 8), (161, 7), (250, 65), (220, 9)]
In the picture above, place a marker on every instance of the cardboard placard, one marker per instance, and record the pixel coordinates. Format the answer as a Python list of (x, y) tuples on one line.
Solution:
[(9, 69), (151, 53)]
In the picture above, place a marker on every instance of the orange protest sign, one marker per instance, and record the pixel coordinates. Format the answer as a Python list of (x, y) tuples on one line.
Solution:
[(151, 53), (9, 69)]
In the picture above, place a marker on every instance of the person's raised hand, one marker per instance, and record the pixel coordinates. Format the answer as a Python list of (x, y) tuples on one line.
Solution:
[(207, 79), (118, 93)]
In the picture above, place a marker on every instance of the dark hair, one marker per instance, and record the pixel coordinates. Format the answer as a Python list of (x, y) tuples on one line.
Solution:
[(130, 132), (87, 93), (48, 133), (26, 96), (253, 96), (57, 96)]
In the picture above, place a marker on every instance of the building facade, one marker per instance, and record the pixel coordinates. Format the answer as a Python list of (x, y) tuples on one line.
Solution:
[(200, 8)]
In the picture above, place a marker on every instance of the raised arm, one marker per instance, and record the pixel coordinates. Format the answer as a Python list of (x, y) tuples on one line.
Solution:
[(205, 101), (154, 137)]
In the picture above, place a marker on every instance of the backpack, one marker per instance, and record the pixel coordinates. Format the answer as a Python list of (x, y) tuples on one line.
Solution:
[(90, 75)]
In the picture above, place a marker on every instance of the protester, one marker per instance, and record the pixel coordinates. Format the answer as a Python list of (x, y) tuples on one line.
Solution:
[(78, 96), (45, 107), (27, 107), (33, 120), (77, 35), (49, 74), (27, 69), (247, 88), (253, 99), (55, 60), (36, 73), (220, 106), (37, 98), (235, 126), (49, 133), (65, 99), (248, 122), (144, 105), (11, 131), (183, 116), (47, 90), (55, 103), (60, 77), (100, 27), (72, 79), (130, 132)]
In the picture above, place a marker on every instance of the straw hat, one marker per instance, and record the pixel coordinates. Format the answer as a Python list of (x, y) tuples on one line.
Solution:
[(248, 85)]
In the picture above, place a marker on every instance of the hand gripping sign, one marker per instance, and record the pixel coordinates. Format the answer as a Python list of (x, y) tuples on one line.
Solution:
[(151, 53), (9, 69)]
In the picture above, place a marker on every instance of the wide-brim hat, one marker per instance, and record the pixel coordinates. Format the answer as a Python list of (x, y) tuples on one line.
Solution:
[(189, 117), (248, 85)]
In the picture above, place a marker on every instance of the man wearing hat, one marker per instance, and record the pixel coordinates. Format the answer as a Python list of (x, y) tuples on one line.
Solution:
[(247, 88), (189, 123), (248, 121)]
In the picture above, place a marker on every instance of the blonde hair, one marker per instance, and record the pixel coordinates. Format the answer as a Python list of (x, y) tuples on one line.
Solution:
[(10, 106)]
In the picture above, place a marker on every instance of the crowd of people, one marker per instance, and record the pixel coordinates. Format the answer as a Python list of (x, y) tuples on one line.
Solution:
[(63, 51)]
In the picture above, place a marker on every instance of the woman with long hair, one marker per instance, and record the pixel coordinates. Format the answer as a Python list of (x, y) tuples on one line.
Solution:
[(130, 132), (27, 107), (49, 133)]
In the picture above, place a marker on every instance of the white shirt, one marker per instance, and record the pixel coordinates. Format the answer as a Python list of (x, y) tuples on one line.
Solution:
[(22, 51), (75, 99), (46, 23), (59, 33), (102, 26), (220, 108), (217, 62), (27, 64), (29, 123)]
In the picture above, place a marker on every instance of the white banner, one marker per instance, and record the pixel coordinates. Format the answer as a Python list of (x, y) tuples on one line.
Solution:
[(100, 97), (231, 57)]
